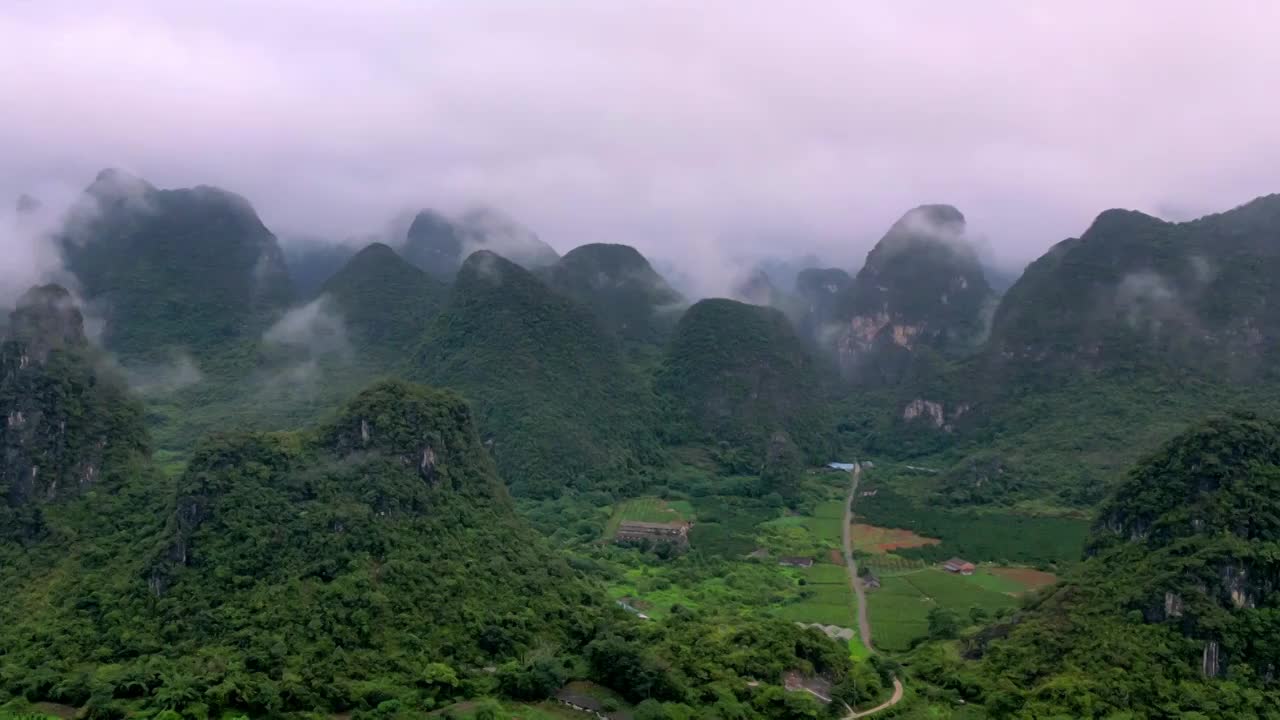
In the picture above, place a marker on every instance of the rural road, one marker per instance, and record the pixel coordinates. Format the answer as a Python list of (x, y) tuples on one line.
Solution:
[(864, 624)]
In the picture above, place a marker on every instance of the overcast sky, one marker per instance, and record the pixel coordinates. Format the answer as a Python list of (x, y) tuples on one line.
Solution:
[(686, 129)]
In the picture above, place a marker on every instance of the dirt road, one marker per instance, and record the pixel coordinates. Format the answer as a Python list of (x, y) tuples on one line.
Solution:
[(864, 623)]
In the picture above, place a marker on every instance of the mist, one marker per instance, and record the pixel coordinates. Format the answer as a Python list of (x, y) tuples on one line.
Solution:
[(757, 131)]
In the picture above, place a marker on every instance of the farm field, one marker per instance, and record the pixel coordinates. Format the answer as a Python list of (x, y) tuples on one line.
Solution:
[(1027, 578), (900, 607), (648, 509), (978, 536), (874, 539)]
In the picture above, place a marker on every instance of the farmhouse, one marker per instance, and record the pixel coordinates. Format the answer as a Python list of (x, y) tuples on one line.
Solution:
[(635, 532), (800, 562), (870, 581), (956, 565)]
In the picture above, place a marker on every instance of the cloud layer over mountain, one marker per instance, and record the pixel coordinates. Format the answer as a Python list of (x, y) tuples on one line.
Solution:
[(701, 133)]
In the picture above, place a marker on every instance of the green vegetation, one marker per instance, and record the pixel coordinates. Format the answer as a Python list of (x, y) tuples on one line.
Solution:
[(736, 374), (324, 569), (648, 509), (621, 288), (385, 303), (900, 608), (70, 428), (975, 535), (551, 393), (193, 269), (1173, 592)]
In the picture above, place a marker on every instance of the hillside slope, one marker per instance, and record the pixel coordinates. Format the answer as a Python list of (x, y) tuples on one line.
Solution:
[(70, 427), (736, 373), (617, 284), (1175, 610), (373, 558), (191, 268), (385, 302), (552, 394)]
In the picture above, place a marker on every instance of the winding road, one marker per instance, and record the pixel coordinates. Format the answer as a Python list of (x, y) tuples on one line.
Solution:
[(864, 624)]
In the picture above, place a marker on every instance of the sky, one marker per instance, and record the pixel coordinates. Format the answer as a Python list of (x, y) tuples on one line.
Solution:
[(694, 131)]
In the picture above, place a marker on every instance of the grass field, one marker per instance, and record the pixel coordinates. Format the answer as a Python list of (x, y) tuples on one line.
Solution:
[(648, 509), (826, 521), (900, 607)]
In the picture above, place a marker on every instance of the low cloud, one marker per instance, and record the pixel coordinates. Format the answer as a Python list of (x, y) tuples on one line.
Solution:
[(163, 378), (625, 123), (315, 329)]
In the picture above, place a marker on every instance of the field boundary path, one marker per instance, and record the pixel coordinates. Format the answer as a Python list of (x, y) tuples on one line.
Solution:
[(864, 622)]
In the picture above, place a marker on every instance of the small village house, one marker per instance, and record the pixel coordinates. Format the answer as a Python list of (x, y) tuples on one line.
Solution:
[(800, 562), (956, 565)]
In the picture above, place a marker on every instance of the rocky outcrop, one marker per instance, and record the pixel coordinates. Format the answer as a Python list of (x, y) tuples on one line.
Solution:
[(922, 292)]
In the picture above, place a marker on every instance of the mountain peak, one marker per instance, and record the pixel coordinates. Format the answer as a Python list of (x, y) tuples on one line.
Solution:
[(1117, 221), (47, 318), (116, 184), (439, 244), (922, 286), (620, 287)]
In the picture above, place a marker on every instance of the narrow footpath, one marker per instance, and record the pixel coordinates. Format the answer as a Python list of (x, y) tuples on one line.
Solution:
[(864, 623)]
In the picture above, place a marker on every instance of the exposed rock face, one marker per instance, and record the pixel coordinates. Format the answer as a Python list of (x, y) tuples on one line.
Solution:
[(920, 408), (935, 414), (922, 291)]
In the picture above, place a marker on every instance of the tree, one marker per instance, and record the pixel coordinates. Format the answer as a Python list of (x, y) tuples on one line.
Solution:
[(978, 615), (944, 624)]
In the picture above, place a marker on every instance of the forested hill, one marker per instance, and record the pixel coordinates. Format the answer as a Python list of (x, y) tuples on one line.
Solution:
[(1135, 292), (1106, 347), (69, 426), (737, 373), (617, 283), (1174, 612), (191, 268), (327, 568), (385, 302), (554, 399)]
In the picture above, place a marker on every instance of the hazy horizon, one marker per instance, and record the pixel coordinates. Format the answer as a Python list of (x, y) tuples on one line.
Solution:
[(736, 131)]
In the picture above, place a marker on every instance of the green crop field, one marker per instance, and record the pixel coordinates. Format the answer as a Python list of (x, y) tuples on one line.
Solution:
[(826, 520), (995, 583), (647, 509), (827, 604), (825, 573), (975, 535), (900, 607)]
